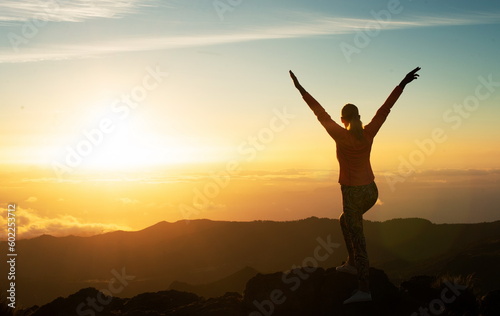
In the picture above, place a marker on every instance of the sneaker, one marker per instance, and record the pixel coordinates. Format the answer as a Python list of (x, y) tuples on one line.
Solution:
[(359, 296), (347, 268)]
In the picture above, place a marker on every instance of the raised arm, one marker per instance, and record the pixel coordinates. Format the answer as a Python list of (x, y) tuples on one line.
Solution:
[(324, 118), (385, 109)]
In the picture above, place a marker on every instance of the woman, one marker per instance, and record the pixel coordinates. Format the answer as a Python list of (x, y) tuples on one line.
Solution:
[(359, 192)]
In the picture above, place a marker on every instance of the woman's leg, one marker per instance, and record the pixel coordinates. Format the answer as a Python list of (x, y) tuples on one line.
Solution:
[(347, 238), (357, 200)]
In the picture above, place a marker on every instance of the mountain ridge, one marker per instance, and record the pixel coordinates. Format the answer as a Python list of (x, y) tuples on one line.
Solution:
[(163, 224), (204, 251)]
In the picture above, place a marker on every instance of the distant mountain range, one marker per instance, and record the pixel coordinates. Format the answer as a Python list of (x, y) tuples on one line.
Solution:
[(236, 282), (210, 258)]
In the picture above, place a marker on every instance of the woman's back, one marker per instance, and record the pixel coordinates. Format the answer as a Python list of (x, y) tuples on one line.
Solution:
[(353, 155)]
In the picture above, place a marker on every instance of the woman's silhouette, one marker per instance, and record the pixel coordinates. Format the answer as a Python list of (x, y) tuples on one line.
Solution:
[(359, 192)]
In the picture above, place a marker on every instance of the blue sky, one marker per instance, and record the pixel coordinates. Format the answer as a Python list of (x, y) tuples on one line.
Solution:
[(155, 25)]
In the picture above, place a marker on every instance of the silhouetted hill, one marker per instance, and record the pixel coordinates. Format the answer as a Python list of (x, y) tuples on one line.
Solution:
[(482, 261), (203, 252), (303, 291), (234, 283)]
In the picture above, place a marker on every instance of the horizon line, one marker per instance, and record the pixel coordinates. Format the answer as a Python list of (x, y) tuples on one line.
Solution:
[(187, 221)]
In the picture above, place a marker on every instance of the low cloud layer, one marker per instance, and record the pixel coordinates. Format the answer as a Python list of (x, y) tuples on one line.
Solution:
[(30, 224)]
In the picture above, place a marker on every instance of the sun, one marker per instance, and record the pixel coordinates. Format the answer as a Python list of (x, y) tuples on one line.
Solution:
[(134, 146), (139, 143)]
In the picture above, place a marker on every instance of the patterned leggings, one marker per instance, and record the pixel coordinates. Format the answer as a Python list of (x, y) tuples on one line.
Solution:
[(357, 200)]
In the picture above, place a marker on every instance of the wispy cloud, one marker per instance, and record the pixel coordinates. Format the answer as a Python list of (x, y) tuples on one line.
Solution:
[(31, 199), (460, 172), (313, 26), (30, 224), (67, 10)]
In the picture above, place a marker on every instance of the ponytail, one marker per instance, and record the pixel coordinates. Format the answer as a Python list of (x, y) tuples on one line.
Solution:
[(350, 114), (356, 128)]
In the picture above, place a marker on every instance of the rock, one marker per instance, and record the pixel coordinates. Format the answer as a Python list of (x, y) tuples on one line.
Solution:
[(158, 302), (490, 304), (80, 303), (314, 291), (229, 304), (438, 296), (303, 291)]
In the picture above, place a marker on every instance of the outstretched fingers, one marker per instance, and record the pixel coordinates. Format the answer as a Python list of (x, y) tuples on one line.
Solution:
[(412, 75), (294, 79), (414, 72)]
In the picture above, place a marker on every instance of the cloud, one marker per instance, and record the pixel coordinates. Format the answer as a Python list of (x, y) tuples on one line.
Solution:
[(289, 175), (315, 25), (29, 225), (460, 172), (196, 176), (31, 199), (447, 175), (67, 10)]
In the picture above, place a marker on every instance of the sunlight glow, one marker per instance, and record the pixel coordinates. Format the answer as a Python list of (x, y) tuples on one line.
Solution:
[(130, 144), (132, 149)]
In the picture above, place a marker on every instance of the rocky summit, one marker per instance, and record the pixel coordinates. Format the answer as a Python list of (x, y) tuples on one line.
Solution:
[(302, 291)]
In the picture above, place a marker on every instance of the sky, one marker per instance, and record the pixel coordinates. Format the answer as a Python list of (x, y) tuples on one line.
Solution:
[(121, 114)]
